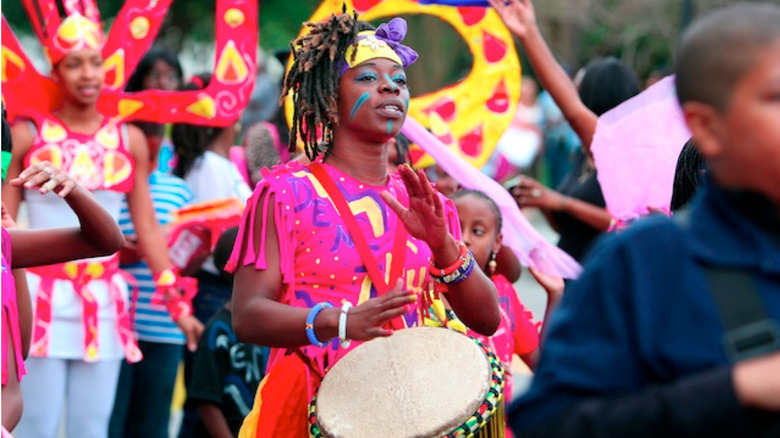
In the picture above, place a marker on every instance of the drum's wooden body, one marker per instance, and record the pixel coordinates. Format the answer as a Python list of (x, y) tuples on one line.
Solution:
[(419, 382)]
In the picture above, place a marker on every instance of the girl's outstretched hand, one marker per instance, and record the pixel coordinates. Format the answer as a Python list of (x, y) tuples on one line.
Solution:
[(424, 219), (366, 321), (518, 15), (531, 193), (47, 178), (554, 286)]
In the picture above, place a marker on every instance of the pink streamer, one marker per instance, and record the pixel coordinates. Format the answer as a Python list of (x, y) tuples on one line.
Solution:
[(635, 147), (528, 245)]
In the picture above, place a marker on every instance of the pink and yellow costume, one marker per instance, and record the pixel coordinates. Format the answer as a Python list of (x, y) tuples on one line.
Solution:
[(516, 334), (101, 162), (10, 314), (81, 317), (81, 308), (319, 263)]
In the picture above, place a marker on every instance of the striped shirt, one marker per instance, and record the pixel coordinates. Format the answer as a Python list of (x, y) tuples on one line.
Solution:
[(153, 323)]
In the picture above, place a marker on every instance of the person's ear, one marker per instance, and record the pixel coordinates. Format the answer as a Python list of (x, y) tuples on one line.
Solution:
[(705, 123), (497, 243)]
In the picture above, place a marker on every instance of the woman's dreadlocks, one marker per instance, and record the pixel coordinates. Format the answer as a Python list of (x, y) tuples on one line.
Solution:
[(314, 77)]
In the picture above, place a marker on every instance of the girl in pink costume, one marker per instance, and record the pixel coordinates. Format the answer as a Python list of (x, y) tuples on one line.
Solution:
[(82, 325), (480, 221), (97, 235)]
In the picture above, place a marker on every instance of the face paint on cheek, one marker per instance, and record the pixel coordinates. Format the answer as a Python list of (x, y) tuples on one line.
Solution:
[(406, 101), (389, 126), (358, 103)]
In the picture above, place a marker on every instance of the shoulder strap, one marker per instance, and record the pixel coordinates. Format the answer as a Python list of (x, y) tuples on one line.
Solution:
[(749, 332), (361, 244)]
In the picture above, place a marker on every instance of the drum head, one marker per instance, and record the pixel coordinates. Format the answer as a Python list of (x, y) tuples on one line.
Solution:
[(420, 382)]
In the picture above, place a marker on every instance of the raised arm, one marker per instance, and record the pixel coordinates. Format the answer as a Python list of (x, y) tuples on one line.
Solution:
[(530, 193), (520, 18), (97, 234), (474, 299)]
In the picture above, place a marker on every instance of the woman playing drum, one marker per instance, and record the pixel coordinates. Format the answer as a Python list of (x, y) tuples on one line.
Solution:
[(320, 238)]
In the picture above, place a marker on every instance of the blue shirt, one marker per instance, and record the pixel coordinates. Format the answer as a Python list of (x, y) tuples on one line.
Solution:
[(642, 314), (153, 323)]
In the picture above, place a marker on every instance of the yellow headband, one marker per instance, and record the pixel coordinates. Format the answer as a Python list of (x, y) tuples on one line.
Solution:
[(370, 47)]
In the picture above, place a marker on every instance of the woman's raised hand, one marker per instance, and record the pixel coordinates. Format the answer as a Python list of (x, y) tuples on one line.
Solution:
[(47, 178), (518, 15), (366, 321), (424, 219)]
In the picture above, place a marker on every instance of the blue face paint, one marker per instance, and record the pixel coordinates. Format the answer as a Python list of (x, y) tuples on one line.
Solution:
[(406, 101), (392, 82), (389, 126), (366, 76), (358, 103), (399, 78)]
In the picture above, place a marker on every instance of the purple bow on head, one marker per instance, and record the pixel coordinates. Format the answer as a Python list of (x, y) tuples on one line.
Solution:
[(393, 32)]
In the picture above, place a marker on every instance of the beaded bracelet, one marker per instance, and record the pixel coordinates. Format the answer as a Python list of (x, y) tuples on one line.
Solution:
[(319, 307), (343, 341), (459, 275), (438, 272)]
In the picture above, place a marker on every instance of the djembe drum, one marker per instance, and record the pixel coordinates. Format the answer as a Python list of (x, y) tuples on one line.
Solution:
[(419, 382)]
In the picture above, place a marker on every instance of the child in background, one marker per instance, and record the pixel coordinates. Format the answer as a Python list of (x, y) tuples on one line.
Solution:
[(203, 161), (480, 223), (226, 373), (142, 404), (444, 182)]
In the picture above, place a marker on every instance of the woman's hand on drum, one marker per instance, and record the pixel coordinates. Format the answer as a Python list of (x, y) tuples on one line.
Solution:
[(424, 219), (47, 178), (366, 321)]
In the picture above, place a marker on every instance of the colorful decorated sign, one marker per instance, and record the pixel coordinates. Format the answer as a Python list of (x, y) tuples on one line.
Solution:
[(470, 116), (29, 94)]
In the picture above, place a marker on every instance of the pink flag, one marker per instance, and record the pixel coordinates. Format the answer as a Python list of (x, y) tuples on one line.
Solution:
[(529, 246), (635, 148)]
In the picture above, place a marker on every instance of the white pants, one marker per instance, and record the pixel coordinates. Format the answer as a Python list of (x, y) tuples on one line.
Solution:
[(87, 390)]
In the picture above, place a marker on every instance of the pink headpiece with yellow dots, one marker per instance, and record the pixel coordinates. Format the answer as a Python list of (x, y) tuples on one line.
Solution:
[(80, 29), (30, 94)]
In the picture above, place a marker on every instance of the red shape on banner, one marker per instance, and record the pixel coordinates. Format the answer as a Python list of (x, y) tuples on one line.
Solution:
[(472, 15), (471, 143), (495, 49), (364, 5), (445, 107), (499, 102)]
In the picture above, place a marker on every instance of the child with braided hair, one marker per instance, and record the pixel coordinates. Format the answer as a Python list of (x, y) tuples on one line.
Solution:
[(340, 231)]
